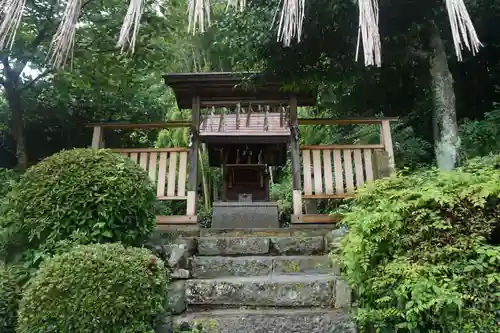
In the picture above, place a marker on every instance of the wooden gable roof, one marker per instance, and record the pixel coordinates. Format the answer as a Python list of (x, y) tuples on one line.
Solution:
[(225, 89)]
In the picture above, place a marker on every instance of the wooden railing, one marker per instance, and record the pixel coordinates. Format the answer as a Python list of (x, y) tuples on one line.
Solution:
[(167, 167), (335, 171)]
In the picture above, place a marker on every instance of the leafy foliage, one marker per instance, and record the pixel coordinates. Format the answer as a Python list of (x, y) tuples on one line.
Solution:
[(422, 250), (87, 195), (481, 137), (102, 288), (8, 178), (282, 193), (9, 300)]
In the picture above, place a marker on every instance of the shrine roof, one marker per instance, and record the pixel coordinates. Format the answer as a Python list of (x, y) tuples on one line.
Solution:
[(227, 88)]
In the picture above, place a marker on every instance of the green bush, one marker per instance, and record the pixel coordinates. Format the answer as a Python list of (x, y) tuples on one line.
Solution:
[(481, 137), (101, 196), (282, 193), (423, 252), (9, 300), (102, 288), (8, 178)]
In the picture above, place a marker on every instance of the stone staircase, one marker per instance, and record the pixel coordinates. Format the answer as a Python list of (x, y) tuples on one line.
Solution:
[(276, 281)]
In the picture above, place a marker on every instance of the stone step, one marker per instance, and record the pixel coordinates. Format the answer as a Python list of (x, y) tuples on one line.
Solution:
[(319, 290), (279, 245), (267, 320), (300, 230), (217, 266)]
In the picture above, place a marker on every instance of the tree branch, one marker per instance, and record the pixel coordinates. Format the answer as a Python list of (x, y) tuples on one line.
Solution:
[(41, 36), (36, 79)]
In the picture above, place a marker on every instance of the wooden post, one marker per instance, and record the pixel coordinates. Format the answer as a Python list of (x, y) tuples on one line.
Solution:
[(380, 164), (281, 116), (193, 158), (386, 140), (248, 115), (97, 138), (295, 151), (266, 120), (238, 109)]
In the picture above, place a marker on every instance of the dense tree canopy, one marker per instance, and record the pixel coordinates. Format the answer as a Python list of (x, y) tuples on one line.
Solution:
[(103, 84)]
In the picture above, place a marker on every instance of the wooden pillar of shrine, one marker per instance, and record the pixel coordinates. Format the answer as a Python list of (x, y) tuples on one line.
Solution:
[(193, 157), (295, 151)]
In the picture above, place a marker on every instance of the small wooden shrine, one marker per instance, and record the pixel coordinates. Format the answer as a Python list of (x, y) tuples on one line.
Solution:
[(247, 128)]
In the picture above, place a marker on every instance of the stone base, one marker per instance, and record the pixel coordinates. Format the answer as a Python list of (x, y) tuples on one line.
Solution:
[(230, 215)]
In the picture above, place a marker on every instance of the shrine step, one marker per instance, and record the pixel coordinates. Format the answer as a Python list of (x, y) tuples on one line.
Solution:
[(280, 245), (315, 290), (299, 230), (267, 320), (217, 266)]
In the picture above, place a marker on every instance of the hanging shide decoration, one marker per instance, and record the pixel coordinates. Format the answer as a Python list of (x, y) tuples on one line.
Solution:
[(290, 26), (462, 28), (199, 15), (11, 13), (368, 33), (291, 20), (130, 26), (237, 4), (62, 45)]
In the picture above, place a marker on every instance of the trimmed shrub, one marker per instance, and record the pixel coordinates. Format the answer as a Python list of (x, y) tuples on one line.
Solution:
[(102, 288), (101, 196), (422, 254), (9, 300)]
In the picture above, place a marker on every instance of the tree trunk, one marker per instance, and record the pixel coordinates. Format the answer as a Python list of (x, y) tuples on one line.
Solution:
[(17, 123), (444, 120)]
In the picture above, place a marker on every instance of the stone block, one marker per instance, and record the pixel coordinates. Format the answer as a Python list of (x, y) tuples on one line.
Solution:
[(178, 252), (336, 235), (176, 297), (275, 290), (214, 267), (165, 324), (304, 264), (180, 274), (214, 246), (239, 232), (268, 321), (298, 245), (245, 215), (342, 294), (189, 242)]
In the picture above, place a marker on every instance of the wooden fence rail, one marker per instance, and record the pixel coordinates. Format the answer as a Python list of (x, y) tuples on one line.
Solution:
[(335, 171), (167, 167)]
